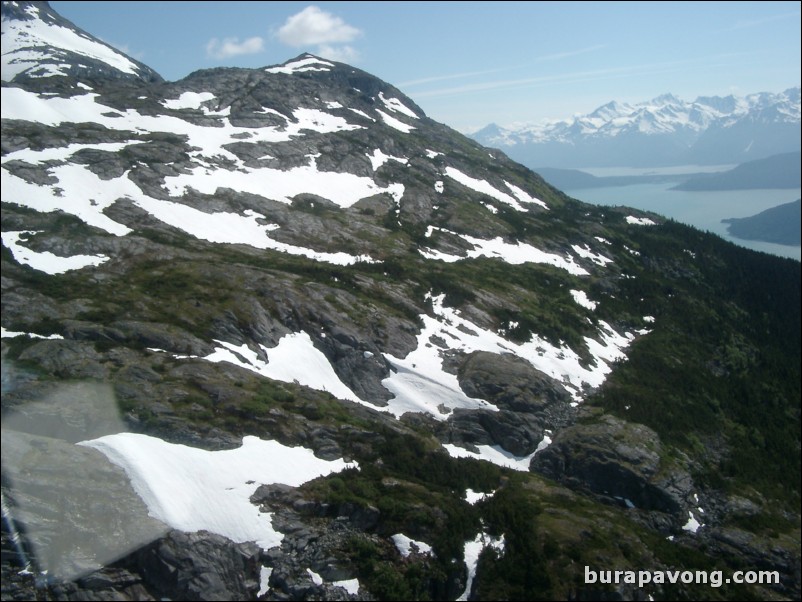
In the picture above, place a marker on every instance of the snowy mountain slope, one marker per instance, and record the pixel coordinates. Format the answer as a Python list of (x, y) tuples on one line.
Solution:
[(663, 131), (293, 271), (38, 42)]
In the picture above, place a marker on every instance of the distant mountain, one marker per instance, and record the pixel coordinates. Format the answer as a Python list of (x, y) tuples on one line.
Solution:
[(777, 171), (661, 132), (781, 225)]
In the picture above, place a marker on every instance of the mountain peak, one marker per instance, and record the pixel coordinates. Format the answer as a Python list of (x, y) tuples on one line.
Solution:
[(38, 42)]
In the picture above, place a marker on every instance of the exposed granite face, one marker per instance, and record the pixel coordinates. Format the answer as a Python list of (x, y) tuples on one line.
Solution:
[(616, 459)]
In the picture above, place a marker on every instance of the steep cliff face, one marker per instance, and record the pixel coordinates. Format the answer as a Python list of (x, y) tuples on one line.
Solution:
[(316, 345)]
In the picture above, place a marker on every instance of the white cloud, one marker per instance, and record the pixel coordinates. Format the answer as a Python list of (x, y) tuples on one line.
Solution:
[(315, 26), (342, 54), (223, 49)]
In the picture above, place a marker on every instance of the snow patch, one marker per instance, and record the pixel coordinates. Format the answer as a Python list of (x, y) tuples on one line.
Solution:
[(472, 551), (264, 580), (294, 359), (586, 252), (395, 123), (45, 261), (581, 298), (188, 100), (10, 334), (483, 187), (473, 497), (494, 454), (640, 221), (378, 158), (514, 254), (349, 585), (396, 105), (193, 489), (406, 545)]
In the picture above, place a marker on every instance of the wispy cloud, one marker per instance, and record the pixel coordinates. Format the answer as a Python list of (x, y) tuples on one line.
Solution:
[(315, 27), (440, 78), (548, 57), (575, 77), (748, 23), (564, 55), (224, 49)]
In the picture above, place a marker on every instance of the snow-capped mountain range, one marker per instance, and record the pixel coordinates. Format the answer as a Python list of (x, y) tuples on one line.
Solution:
[(663, 131), (274, 333)]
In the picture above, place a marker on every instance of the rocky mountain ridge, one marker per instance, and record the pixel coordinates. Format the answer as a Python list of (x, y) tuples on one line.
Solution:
[(297, 269), (663, 131)]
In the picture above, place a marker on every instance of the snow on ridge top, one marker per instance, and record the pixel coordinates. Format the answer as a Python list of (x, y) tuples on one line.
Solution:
[(308, 63), (396, 105), (193, 489), (188, 100), (27, 42)]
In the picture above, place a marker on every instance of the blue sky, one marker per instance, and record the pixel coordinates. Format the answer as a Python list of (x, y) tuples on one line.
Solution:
[(473, 63)]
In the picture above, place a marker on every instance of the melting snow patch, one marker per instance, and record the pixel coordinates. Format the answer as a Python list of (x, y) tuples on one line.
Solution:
[(514, 254), (379, 158), (395, 123), (472, 551), (483, 187), (61, 153), (396, 105), (349, 585), (640, 221), (472, 497), (264, 580), (524, 197), (188, 100), (581, 298), (45, 261), (649, 319), (343, 189), (586, 253), (192, 489), (438, 187), (693, 525), (406, 546), (420, 384), (432, 154), (316, 579), (10, 334), (493, 454), (361, 113), (294, 359)]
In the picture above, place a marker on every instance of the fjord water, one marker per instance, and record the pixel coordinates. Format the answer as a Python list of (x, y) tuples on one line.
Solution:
[(701, 209)]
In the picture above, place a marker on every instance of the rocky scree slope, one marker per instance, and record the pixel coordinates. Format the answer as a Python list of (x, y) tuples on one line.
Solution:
[(298, 257)]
